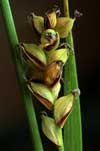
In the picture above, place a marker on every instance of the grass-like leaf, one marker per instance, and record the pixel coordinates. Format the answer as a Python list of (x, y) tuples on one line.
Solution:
[(72, 128), (26, 97)]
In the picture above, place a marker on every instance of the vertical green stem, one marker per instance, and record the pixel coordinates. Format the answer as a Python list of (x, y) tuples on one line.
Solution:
[(72, 129), (62, 147), (26, 97)]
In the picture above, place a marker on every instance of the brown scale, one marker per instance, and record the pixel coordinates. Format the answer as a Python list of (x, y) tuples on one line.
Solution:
[(53, 73)]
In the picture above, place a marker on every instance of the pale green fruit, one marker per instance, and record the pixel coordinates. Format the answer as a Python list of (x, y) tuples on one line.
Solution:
[(37, 22), (56, 89), (50, 19), (34, 55), (62, 108), (43, 94), (51, 130), (59, 54), (64, 26)]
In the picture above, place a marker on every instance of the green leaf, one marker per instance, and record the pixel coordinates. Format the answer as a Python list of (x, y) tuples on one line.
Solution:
[(72, 128)]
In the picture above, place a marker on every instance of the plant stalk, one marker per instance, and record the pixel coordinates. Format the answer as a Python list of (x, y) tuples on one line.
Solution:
[(72, 128), (25, 95), (62, 147)]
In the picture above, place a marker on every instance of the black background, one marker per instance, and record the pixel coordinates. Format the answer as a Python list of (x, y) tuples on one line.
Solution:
[(14, 134)]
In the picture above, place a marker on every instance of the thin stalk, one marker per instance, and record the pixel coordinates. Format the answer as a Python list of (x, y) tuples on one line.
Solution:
[(73, 128), (26, 97), (62, 147)]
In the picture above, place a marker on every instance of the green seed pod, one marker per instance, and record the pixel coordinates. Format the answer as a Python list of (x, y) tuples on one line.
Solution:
[(51, 130), (62, 109), (50, 19), (53, 72), (59, 54), (42, 93), (56, 89), (37, 22), (49, 40), (34, 55), (64, 26)]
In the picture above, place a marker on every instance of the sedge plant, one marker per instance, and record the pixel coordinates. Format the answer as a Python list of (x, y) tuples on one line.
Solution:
[(44, 64)]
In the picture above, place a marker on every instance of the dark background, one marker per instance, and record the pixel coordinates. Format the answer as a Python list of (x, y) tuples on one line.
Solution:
[(14, 134)]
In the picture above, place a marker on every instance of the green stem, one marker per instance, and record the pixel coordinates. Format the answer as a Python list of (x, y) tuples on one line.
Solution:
[(66, 8), (62, 147), (26, 97), (73, 128)]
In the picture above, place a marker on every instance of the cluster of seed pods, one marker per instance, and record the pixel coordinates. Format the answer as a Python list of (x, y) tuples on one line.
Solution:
[(45, 67)]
